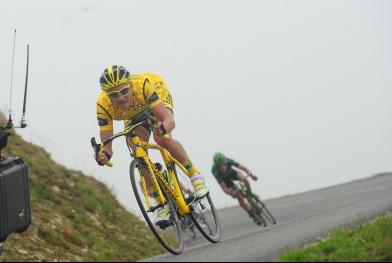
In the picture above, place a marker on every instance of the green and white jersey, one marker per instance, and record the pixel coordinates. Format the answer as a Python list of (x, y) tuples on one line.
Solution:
[(227, 176)]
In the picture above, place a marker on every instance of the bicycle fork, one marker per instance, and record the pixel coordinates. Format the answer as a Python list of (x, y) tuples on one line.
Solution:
[(153, 187), (151, 174)]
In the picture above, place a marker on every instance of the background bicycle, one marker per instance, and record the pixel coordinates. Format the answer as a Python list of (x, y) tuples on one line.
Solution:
[(262, 215)]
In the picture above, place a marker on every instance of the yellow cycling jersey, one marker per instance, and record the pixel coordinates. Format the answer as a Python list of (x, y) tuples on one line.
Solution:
[(148, 90)]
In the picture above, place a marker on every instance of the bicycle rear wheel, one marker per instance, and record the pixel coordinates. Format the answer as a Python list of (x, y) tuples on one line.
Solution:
[(203, 212), (205, 217), (266, 214), (256, 212), (169, 234)]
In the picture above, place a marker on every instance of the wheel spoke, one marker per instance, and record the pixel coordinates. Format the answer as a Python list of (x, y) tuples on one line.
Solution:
[(168, 231), (206, 218)]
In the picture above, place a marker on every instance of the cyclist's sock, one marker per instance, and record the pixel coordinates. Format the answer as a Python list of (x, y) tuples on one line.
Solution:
[(155, 195), (190, 167)]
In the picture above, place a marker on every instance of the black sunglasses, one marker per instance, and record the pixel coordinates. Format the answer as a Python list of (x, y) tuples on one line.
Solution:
[(119, 93)]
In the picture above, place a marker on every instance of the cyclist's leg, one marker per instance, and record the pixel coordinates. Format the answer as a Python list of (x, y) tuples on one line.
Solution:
[(248, 208), (245, 181), (176, 149), (237, 194), (242, 202)]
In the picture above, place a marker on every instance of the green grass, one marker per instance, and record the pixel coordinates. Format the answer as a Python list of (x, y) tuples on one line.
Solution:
[(366, 242)]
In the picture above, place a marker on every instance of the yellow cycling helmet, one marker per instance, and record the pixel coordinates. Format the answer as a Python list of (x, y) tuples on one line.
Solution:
[(112, 76)]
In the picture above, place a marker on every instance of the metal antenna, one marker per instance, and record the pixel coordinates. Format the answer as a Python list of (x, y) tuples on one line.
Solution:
[(23, 121), (10, 124)]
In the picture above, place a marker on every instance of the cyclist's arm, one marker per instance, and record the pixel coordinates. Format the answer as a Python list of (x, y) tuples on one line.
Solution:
[(248, 172), (103, 158), (245, 169), (164, 116), (104, 136), (105, 123)]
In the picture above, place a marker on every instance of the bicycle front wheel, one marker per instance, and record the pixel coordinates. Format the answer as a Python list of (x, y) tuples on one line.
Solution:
[(203, 212), (167, 232)]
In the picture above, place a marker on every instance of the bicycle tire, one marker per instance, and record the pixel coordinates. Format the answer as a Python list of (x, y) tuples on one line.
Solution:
[(266, 214), (211, 232), (180, 247), (198, 217), (252, 200), (262, 208)]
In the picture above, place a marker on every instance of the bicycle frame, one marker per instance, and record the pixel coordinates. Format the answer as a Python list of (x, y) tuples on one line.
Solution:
[(175, 193), (241, 188), (139, 150)]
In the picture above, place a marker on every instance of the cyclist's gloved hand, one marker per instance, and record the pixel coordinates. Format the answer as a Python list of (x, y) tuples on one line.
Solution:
[(159, 128), (232, 193), (254, 177), (102, 158)]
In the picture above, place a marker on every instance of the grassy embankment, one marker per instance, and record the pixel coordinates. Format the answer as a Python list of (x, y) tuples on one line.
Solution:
[(371, 241), (75, 217)]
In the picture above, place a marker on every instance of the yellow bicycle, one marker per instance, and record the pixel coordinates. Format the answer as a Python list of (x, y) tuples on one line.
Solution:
[(147, 179)]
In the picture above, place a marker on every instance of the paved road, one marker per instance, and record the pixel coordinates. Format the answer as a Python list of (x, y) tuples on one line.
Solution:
[(302, 218)]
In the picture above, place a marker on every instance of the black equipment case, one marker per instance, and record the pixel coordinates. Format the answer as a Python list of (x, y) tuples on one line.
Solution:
[(3, 139), (15, 212)]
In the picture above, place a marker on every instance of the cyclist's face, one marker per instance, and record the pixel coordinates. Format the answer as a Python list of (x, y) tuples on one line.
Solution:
[(121, 95), (223, 168)]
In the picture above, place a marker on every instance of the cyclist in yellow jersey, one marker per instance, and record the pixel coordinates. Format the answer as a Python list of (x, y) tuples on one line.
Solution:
[(126, 97)]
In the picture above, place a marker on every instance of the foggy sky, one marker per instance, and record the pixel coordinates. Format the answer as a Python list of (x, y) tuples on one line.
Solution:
[(298, 91)]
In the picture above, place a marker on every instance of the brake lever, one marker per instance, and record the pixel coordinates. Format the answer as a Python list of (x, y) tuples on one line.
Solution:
[(97, 150), (95, 145)]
